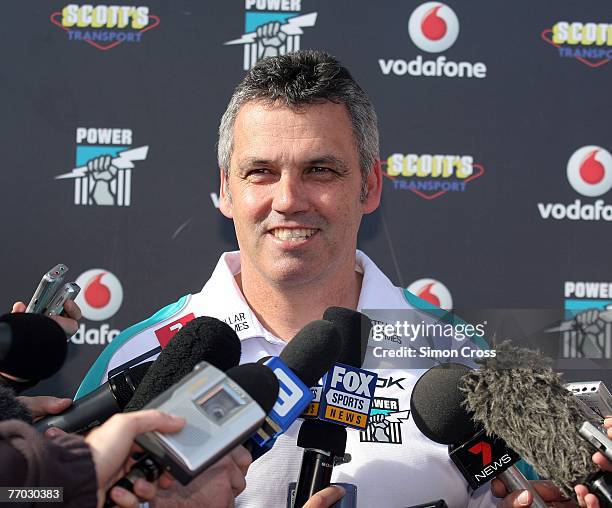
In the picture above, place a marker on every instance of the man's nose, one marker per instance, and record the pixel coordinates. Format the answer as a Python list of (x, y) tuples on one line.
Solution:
[(290, 195)]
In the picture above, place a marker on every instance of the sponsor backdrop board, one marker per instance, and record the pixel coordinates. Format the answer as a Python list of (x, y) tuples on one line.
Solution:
[(495, 146)]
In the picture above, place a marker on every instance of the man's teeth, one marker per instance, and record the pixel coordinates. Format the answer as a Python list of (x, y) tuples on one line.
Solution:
[(293, 234)]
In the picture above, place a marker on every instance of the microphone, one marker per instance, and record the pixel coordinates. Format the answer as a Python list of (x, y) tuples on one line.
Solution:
[(310, 354), (354, 328), (520, 398), (32, 347), (98, 406), (201, 339), (10, 408), (221, 411), (324, 442), (436, 406)]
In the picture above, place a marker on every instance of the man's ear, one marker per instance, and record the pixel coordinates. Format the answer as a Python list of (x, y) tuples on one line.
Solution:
[(374, 188), (225, 200)]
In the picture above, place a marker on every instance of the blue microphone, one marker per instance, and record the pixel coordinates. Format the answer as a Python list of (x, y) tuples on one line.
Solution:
[(310, 354)]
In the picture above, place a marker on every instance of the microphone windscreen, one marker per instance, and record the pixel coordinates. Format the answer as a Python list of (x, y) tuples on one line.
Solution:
[(313, 351), (201, 339), (518, 397), (354, 328), (37, 349), (321, 435), (258, 381), (11, 408), (436, 405)]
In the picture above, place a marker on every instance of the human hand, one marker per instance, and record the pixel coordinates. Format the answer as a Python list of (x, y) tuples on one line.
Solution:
[(522, 498), (111, 445)]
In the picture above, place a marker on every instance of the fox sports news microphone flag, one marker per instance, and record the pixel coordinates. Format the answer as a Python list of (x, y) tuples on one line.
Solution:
[(495, 152)]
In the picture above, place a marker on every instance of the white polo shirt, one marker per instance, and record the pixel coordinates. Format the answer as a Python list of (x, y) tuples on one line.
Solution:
[(391, 462)]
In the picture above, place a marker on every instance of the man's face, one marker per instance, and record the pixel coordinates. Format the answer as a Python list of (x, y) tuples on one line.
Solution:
[(293, 191)]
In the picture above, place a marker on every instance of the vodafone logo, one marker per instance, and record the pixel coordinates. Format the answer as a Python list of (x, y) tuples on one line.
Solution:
[(101, 294), (589, 171), (433, 27), (432, 291)]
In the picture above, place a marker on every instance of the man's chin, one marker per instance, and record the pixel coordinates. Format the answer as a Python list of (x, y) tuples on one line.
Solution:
[(295, 271)]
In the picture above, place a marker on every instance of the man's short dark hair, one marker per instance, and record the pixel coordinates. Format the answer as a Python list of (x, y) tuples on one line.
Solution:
[(300, 78)]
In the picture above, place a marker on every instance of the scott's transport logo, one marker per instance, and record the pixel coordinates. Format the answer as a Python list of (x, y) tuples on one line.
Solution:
[(589, 172), (271, 28), (433, 27), (589, 43), (101, 295), (432, 291), (105, 26), (430, 176), (104, 163)]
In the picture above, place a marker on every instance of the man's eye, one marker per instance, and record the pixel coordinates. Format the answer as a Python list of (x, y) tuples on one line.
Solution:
[(258, 173), (319, 169)]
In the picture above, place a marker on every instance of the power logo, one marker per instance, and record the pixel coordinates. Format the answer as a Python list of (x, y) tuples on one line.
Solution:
[(104, 163), (589, 172), (100, 298), (432, 291), (272, 28), (386, 419), (586, 331), (347, 396), (433, 27), (105, 26)]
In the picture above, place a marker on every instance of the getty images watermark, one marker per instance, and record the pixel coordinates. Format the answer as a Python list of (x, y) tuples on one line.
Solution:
[(573, 339), (437, 336)]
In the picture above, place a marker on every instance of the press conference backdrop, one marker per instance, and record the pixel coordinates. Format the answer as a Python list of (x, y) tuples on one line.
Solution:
[(495, 143)]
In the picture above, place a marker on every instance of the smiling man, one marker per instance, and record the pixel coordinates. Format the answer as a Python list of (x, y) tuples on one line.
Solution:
[(291, 181), (299, 165)]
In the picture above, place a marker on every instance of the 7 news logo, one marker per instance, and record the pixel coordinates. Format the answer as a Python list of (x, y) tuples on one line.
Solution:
[(482, 458)]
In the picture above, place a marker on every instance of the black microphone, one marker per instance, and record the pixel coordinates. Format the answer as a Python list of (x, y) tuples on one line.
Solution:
[(325, 442), (201, 339), (518, 396), (354, 328), (32, 347), (98, 406), (436, 405)]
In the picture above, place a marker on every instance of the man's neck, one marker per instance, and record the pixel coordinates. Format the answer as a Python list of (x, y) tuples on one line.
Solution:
[(284, 311)]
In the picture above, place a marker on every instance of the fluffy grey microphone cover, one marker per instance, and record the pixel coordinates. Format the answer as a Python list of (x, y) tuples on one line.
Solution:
[(518, 397)]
